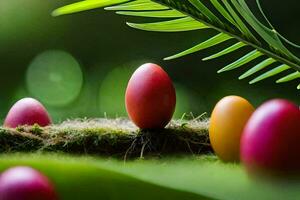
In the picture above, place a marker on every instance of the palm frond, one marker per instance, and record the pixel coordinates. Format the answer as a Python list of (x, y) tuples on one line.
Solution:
[(233, 19)]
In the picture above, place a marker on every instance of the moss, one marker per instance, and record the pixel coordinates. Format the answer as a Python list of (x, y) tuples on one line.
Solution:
[(114, 137), (36, 129), (13, 140)]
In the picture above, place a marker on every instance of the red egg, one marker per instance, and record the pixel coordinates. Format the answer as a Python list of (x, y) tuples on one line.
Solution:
[(270, 140), (25, 183), (27, 111), (150, 97)]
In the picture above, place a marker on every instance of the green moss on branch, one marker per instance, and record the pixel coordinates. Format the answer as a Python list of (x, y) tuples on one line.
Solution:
[(114, 137)]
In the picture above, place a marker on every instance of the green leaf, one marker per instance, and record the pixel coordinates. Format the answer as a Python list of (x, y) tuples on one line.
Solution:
[(135, 5), (267, 34), (228, 50), (85, 5), (182, 24), (258, 67), (243, 28), (242, 61), (83, 177), (188, 178), (289, 77), (208, 43), (204, 10), (270, 73), (135, 2), (223, 11), (158, 14)]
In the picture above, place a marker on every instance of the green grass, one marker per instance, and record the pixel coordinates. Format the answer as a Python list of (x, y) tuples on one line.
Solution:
[(194, 177)]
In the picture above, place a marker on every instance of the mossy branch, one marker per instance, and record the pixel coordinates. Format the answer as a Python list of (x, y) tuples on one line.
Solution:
[(113, 137)]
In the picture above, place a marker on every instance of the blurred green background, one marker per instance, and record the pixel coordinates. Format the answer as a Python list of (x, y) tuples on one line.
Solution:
[(78, 65)]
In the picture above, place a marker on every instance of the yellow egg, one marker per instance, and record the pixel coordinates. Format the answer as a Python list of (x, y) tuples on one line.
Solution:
[(227, 122)]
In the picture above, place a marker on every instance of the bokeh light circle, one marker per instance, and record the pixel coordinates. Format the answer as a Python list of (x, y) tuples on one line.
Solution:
[(112, 91), (54, 77)]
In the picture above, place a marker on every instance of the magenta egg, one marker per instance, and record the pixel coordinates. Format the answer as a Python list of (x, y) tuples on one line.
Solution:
[(25, 183), (150, 97), (270, 140), (27, 111)]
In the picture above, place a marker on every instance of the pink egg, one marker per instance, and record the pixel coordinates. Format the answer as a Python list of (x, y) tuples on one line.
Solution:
[(270, 140), (25, 183), (27, 111), (150, 97)]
